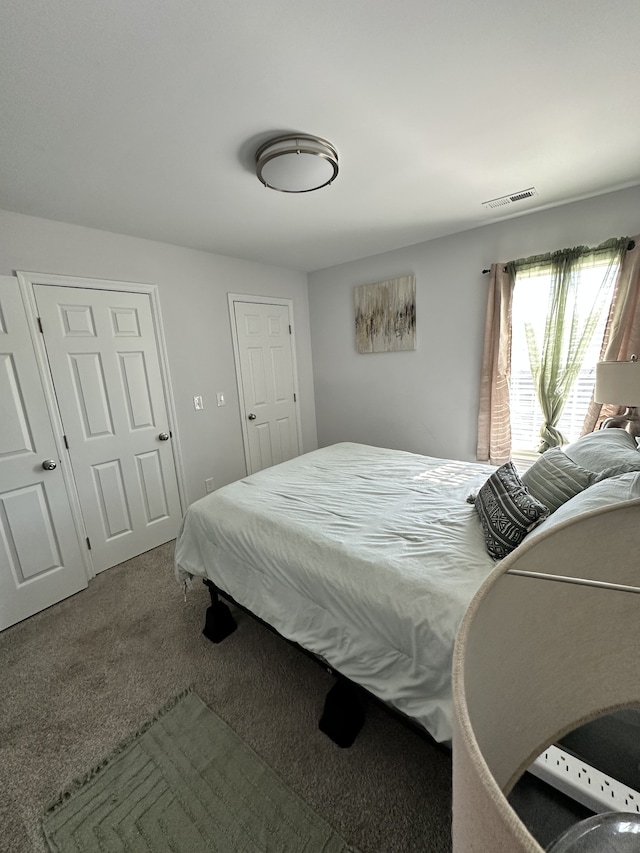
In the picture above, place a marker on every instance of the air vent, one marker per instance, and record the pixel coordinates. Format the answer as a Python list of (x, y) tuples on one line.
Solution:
[(510, 199)]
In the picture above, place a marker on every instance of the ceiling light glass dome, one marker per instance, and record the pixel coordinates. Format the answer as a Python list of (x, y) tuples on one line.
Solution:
[(296, 163)]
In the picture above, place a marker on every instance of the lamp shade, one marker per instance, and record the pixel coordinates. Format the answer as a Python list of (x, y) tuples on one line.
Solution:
[(618, 382), (297, 163), (537, 655)]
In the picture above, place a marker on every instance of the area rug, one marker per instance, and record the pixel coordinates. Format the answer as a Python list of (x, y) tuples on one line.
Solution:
[(186, 783)]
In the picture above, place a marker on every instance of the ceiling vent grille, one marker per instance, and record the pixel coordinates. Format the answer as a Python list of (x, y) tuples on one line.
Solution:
[(510, 199)]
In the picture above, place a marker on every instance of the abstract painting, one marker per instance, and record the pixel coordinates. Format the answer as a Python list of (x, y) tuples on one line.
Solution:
[(386, 315)]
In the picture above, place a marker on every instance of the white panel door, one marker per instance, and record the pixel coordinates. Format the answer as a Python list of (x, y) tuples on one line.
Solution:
[(40, 558), (267, 383), (104, 361)]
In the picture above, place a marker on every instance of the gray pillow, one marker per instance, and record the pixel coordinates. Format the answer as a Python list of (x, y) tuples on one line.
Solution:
[(613, 490), (554, 478), (507, 511), (613, 451)]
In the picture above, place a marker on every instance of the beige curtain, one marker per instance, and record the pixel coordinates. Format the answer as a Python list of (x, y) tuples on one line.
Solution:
[(622, 335), (494, 422)]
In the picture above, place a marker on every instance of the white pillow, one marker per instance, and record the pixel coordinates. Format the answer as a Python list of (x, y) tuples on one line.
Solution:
[(624, 487), (606, 449)]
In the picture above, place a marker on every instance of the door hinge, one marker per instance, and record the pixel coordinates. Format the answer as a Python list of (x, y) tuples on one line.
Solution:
[(40, 325), (66, 443), (88, 543), (289, 328), (295, 399)]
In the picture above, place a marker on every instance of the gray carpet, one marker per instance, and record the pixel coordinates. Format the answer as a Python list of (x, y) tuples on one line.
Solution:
[(78, 678)]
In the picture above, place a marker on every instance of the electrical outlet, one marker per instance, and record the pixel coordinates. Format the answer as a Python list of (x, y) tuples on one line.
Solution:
[(584, 783), (208, 485), (198, 404)]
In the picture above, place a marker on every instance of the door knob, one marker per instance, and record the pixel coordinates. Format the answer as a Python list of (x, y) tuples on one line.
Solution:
[(164, 436), (49, 464), (252, 417)]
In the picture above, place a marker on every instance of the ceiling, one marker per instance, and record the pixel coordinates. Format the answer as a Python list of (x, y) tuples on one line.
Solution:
[(142, 117)]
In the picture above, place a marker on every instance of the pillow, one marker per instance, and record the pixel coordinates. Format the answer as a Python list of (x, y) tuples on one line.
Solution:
[(613, 451), (554, 478), (613, 490), (507, 511)]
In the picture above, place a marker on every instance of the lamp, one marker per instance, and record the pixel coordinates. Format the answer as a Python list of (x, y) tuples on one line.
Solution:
[(298, 163), (543, 648), (618, 382)]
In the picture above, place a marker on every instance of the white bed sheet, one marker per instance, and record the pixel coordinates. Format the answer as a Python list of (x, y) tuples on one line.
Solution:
[(365, 556)]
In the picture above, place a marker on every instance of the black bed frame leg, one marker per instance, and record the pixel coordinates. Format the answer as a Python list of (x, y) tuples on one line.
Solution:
[(343, 714), (219, 622)]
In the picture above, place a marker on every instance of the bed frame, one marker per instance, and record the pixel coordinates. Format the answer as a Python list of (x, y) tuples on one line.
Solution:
[(343, 714)]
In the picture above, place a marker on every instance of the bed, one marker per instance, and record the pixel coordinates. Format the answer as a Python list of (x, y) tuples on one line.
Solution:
[(368, 557)]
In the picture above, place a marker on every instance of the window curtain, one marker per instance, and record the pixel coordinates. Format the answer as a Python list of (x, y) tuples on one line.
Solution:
[(569, 326), (622, 335), (494, 423)]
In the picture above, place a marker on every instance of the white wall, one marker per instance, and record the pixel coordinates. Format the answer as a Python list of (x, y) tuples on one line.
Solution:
[(193, 289), (426, 401)]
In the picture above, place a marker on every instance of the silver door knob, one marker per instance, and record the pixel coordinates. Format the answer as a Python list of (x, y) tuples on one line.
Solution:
[(252, 417), (164, 436), (49, 464)]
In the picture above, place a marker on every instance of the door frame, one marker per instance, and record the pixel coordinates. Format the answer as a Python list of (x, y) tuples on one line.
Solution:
[(262, 300), (27, 281)]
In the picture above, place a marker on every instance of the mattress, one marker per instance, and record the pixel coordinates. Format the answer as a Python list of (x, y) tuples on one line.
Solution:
[(365, 556)]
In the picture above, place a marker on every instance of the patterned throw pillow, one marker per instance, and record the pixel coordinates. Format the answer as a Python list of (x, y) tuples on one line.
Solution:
[(507, 510), (555, 478)]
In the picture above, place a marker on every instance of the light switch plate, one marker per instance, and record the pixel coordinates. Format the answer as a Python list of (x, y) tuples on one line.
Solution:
[(198, 404), (220, 399)]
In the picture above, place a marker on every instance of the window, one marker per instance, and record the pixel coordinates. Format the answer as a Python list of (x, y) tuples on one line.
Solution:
[(561, 350), (595, 283)]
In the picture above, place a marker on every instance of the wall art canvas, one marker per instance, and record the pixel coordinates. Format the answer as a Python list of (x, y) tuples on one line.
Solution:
[(386, 315)]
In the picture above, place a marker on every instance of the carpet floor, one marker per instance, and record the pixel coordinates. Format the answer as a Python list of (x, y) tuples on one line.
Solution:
[(79, 677)]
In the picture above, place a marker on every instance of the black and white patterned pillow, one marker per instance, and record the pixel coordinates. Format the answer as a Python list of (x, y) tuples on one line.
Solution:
[(507, 511)]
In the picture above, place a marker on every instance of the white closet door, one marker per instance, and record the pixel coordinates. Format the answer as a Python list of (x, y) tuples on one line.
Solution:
[(40, 558), (267, 383), (104, 361)]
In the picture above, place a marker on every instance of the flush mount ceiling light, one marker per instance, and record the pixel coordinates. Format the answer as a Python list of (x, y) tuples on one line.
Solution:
[(297, 163)]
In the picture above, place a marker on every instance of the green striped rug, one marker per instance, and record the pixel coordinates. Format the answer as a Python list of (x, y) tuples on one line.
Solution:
[(186, 784)]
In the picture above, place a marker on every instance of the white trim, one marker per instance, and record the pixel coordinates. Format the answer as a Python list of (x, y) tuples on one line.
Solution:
[(26, 281), (263, 300)]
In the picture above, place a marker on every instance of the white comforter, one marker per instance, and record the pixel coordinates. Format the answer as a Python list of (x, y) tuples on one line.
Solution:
[(366, 556)]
